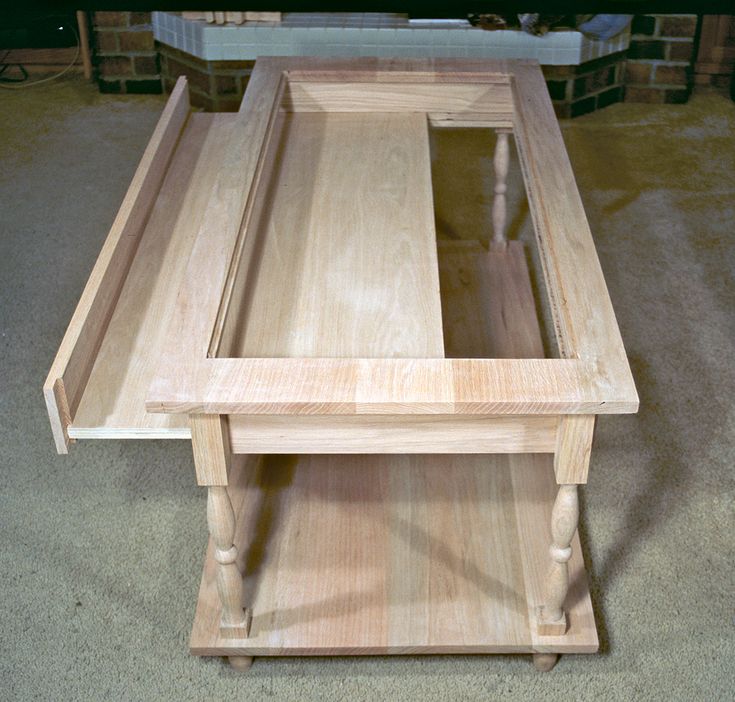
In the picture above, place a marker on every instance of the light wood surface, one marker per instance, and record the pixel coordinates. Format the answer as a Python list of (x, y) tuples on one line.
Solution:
[(344, 262), (593, 378), (234, 618), (70, 370), (487, 302), (112, 404), (583, 314), (392, 434), (553, 619), (573, 449), (403, 554), (376, 97), (210, 440)]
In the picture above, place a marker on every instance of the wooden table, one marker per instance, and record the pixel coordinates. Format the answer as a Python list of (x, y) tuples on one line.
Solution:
[(391, 459)]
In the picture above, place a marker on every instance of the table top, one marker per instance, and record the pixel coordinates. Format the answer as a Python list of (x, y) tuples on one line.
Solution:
[(321, 288), (284, 261)]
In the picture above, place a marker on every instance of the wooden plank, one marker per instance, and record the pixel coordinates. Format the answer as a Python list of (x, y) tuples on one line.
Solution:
[(486, 120), (72, 365), (584, 318), (378, 555), (210, 442), (344, 263), (385, 386), (225, 212), (349, 96), (573, 449), (487, 302), (112, 405), (390, 434)]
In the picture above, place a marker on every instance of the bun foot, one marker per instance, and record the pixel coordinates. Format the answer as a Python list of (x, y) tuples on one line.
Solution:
[(544, 662), (240, 663)]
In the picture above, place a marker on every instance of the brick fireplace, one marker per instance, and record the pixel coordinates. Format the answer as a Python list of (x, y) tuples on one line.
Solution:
[(144, 52)]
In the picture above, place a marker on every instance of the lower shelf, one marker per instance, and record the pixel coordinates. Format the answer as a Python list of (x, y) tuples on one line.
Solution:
[(350, 555)]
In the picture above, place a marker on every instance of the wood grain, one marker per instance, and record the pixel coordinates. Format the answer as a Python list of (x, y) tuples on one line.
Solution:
[(112, 404), (593, 378), (210, 442), (70, 370), (585, 321), (344, 263), (372, 555), (391, 434), (487, 302), (573, 448), (374, 97)]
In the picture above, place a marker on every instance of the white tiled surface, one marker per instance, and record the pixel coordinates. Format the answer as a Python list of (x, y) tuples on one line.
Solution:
[(373, 34)]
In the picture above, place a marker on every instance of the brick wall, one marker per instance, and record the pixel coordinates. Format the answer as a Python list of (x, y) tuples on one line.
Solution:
[(215, 86), (659, 63), (657, 67), (577, 90), (125, 56)]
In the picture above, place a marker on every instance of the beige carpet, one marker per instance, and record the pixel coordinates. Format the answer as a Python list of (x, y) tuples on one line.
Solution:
[(101, 550)]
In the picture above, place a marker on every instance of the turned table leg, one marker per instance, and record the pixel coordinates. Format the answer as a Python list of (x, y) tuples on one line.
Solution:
[(571, 465), (235, 621), (564, 518), (501, 162), (211, 447)]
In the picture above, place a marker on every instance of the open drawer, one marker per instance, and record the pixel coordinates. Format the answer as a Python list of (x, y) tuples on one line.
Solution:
[(98, 380)]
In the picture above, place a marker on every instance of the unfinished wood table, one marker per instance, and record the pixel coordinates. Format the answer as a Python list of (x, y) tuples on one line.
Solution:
[(391, 458)]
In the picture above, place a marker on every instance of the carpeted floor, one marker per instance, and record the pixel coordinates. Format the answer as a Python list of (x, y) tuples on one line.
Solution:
[(101, 550)]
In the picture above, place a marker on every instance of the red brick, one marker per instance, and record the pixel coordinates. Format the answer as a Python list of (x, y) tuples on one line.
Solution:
[(640, 94), (203, 101), (137, 18), (643, 24), (183, 56), (145, 65), (677, 26), (680, 50), (719, 81), (225, 85), (227, 65), (196, 78), (558, 72), (136, 41), (111, 19), (107, 42), (671, 75), (610, 96), (115, 66), (637, 72)]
